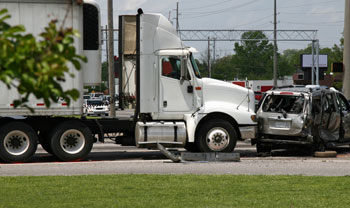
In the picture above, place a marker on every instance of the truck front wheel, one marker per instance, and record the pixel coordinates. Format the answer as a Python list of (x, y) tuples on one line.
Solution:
[(70, 141), (18, 142), (217, 136)]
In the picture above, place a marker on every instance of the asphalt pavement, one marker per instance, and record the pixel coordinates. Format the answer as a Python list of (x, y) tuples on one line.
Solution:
[(114, 159)]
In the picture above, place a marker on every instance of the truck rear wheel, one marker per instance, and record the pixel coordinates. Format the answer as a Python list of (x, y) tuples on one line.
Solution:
[(70, 141), (217, 136), (18, 142)]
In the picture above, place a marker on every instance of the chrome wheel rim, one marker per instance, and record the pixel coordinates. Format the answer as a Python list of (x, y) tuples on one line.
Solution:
[(16, 142), (217, 139), (72, 141)]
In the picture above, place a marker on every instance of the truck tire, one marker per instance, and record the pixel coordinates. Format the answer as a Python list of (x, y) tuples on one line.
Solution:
[(18, 142), (217, 135), (71, 141)]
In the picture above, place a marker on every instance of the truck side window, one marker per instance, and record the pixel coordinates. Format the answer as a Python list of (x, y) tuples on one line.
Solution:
[(171, 67)]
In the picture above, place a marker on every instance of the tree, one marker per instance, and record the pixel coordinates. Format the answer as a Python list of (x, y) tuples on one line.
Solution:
[(223, 68), (37, 67), (335, 54), (253, 58)]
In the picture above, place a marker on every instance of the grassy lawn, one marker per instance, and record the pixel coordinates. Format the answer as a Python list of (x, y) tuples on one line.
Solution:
[(174, 191)]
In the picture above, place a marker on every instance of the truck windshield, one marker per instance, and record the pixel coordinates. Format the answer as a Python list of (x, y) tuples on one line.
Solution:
[(195, 67)]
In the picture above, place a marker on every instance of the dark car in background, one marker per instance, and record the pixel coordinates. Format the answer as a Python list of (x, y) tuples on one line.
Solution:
[(310, 116)]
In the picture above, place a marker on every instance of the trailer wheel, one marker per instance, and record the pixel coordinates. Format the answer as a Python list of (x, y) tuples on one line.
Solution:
[(70, 141), (18, 142), (217, 136)]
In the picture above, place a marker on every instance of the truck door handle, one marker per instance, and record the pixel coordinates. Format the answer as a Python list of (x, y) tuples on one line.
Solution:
[(165, 104)]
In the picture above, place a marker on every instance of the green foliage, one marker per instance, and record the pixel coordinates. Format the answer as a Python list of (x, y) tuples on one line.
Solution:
[(174, 191), (254, 59), (37, 67), (223, 69)]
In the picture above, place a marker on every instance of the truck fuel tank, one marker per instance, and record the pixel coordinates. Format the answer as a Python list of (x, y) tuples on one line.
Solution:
[(169, 134)]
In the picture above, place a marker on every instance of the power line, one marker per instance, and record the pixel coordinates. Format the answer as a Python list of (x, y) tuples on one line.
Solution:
[(208, 13), (261, 25), (210, 5), (301, 5), (284, 7), (257, 20), (189, 2), (334, 12), (312, 23)]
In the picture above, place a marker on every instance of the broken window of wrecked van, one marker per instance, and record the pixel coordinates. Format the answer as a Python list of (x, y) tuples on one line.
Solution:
[(288, 103)]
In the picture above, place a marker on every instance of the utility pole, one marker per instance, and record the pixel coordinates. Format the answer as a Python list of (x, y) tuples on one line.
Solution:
[(214, 55), (209, 64), (313, 63), (275, 45), (107, 60), (346, 54), (177, 16), (111, 59)]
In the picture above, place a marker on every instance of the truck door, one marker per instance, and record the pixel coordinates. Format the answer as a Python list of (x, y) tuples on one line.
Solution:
[(176, 94), (344, 109)]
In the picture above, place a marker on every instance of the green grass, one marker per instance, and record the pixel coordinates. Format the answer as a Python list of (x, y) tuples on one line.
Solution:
[(174, 191)]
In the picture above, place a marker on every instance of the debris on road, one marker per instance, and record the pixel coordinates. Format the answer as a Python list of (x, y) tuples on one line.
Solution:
[(202, 156)]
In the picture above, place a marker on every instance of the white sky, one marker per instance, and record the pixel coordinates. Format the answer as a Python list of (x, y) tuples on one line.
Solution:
[(326, 16)]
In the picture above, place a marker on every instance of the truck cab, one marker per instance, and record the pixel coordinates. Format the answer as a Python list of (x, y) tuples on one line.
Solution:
[(174, 104)]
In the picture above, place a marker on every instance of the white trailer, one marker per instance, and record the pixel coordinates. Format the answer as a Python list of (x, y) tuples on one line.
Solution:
[(20, 129), (174, 105)]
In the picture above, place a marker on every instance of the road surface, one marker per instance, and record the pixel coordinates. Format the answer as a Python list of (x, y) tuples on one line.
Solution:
[(111, 159)]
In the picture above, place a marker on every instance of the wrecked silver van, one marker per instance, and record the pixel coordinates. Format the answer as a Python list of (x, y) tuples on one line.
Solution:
[(311, 116)]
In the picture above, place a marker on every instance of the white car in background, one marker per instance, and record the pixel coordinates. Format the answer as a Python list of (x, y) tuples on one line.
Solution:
[(96, 107)]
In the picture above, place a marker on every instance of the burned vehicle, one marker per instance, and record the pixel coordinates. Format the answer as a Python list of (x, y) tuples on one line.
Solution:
[(310, 116)]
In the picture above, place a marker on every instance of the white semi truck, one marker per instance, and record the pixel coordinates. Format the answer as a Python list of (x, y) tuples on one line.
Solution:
[(174, 105)]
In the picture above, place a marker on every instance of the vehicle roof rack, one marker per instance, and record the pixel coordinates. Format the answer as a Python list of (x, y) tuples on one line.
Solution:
[(288, 86), (316, 87), (301, 88)]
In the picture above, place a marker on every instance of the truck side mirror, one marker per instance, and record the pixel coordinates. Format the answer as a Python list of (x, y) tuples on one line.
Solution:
[(184, 68)]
